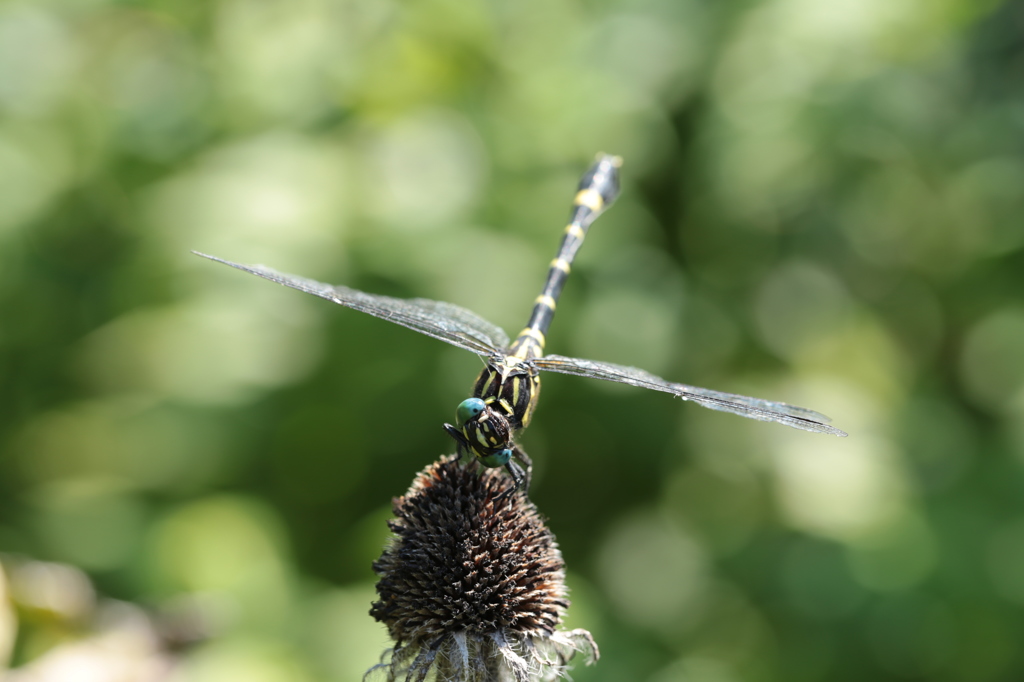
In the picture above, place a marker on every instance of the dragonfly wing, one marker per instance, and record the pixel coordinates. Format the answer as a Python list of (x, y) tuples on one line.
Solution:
[(445, 321), (491, 334), (754, 408)]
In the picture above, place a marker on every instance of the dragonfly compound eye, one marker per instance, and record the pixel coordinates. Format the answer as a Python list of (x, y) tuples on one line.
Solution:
[(469, 409), (498, 459)]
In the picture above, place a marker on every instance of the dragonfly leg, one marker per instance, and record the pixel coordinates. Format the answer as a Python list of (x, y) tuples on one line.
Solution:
[(520, 477), (461, 444), (521, 455)]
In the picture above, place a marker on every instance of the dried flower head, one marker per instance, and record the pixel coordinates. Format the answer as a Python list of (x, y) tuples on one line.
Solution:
[(473, 586)]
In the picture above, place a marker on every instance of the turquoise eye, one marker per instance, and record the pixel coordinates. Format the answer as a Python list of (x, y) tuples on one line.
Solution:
[(498, 459), (469, 409)]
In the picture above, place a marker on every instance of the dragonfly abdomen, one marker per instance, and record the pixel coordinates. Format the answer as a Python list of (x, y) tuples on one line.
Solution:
[(598, 188)]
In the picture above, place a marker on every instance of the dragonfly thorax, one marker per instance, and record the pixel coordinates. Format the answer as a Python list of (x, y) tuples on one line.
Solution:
[(509, 387)]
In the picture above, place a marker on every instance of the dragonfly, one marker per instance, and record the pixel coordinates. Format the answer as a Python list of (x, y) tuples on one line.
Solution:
[(504, 396)]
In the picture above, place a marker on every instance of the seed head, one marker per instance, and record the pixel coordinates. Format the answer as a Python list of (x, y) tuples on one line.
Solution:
[(473, 585)]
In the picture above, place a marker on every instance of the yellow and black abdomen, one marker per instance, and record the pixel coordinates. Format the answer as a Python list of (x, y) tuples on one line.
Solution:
[(597, 190), (511, 385)]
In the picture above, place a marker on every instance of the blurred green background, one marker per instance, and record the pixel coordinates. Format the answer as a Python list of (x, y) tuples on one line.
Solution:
[(821, 204)]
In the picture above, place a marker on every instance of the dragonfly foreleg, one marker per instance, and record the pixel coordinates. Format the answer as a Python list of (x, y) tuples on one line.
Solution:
[(461, 444), (520, 476), (521, 455)]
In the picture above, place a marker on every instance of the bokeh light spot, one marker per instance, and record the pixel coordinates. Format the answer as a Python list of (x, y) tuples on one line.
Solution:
[(840, 491), (230, 547), (37, 57), (211, 350), (992, 361), (799, 304), (424, 170), (94, 523), (654, 573)]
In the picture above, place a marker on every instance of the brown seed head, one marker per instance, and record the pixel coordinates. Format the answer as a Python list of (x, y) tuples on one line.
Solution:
[(472, 582)]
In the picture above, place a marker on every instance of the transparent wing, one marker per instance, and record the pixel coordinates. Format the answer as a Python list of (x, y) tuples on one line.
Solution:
[(445, 321), (754, 408)]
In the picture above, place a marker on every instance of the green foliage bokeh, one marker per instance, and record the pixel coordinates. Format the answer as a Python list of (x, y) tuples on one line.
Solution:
[(821, 204)]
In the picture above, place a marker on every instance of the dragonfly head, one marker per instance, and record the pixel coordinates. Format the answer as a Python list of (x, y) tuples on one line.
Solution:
[(469, 409), (484, 431)]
